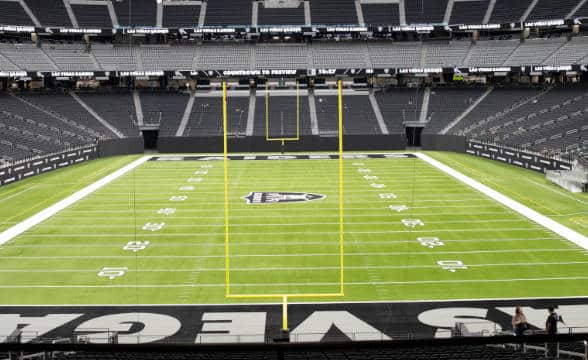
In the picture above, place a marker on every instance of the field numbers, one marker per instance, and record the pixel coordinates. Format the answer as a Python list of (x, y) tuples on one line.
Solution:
[(112, 272), (398, 208), (135, 246), (166, 211), (370, 177), (186, 188), (412, 222), (178, 198), (201, 172), (364, 171), (153, 226), (206, 166), (387, 196), (430, 242), (194, 180), (357, 164), (377, 186), (452, 265)]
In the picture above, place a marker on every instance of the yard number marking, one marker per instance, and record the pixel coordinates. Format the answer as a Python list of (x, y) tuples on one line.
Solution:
[(387, 196), (135, 246), (153, 226), (112, 272), (430, 242), (178, 198), (452, 265), (412, 222), (398, 208), (166, 211)]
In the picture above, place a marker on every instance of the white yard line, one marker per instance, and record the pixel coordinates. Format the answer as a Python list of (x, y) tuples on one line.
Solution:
[(559, 192), (207, 234), (18, 193), (45, 214), (368, 283), (531, 214), (300, 268), (527, 251)]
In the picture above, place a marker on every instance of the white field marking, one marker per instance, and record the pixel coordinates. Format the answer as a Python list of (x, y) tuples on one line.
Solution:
[(293, 243), (73, 211), (127, 218), (301, 268), (18, 193), (527, 212), (539, 228), (458, 190), (45, 214), (409, 222), (119, 204), (559, 192), (292, 255), (305, 284)]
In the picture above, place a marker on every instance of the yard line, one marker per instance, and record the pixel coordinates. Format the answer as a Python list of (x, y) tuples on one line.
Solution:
[(267, 224), (415, 231), (529, 213), (417, 282), (43, 215), (295, 268), (152, 214), (273, 243), (18, 193), (559, 192), (144, 257)]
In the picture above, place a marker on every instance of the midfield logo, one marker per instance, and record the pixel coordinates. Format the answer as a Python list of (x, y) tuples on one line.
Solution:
[(280, 197)]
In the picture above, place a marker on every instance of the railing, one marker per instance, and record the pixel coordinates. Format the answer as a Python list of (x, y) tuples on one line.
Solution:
[(6, 164), (557, 157)]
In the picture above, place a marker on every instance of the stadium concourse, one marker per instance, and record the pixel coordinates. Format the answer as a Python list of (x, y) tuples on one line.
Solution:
[(293, 179)]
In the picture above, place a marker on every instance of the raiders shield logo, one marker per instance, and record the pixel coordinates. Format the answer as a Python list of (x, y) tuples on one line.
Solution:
[(280, 197)]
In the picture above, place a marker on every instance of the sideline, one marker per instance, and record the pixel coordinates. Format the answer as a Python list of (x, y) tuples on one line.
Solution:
[(45, 214), (531, 214)]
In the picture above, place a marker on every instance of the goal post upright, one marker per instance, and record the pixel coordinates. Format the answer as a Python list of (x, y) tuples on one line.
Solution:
[(226, 192), (283, 298)]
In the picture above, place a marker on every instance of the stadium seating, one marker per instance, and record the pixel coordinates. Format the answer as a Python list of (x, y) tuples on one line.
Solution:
[(333, 12), (116, 108), (399, 105), (325, 12), (469, 12), (135, 12), (94, 15), (551, 121), (206, 116), (12, 13), (282, 116), (49, 13), (507, 11), (280, 16), (164, 108), (181, 16), (381, 14), (358, 113), (425, 11), (228, 12), (446, 104), (54, 56)]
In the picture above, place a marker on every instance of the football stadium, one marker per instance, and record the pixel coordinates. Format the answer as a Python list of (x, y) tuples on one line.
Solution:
[(293, 179)]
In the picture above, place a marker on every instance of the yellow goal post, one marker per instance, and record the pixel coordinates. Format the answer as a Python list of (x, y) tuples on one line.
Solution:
[(283, 297)]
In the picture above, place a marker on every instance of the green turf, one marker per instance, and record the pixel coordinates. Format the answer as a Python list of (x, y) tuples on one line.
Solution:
[(293, 248)]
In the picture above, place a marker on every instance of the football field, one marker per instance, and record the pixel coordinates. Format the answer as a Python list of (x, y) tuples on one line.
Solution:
[(159, 235)]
